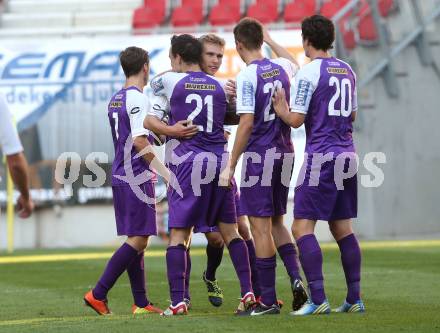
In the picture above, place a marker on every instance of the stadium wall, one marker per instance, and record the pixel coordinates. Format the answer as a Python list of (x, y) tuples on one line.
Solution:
[(406, 130)]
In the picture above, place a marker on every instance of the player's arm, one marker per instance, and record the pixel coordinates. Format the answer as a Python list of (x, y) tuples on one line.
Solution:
[(137, 106), (156, 121), (231, 117), (246, 87), (293, 119), (277, 48), (355, 100), (15, 159), (143, 146), (160, 109), (301, 94), (18, 169), (183, 129), (244, 131)]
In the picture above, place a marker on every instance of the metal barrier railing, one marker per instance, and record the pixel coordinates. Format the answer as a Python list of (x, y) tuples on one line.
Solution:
[(385, 66)]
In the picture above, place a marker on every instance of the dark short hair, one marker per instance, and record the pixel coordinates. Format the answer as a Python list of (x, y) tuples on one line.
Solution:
[(187, 47), (319, 31), (133, 59), (249, 32)]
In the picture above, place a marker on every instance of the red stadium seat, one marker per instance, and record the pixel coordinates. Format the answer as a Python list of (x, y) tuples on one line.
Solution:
[(385, 7), (266, 11), (348, 35), (367, 28), (297, 10), (330, 8), (226, 12), (192, 3), (190, 13), (150, 15)]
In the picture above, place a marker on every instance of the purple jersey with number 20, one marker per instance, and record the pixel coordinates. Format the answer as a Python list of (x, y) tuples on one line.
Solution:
[(325, 92)]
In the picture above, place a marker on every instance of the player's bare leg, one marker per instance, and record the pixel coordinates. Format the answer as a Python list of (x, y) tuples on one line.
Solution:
[(245, 232), (214, 254), (240, 259), (342, 232), (261, 228), (310, 256), (176, 258)]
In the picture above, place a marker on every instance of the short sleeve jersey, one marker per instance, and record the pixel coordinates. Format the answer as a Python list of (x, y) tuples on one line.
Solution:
[(256, 85), (194, 96), (325, 91), (126, 112)]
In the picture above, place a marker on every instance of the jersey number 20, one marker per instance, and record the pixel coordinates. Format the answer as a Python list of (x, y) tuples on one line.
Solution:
[(343, 92)]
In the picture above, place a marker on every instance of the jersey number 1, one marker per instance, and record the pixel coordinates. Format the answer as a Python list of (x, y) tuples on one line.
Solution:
[(115, 117), (343, 91)]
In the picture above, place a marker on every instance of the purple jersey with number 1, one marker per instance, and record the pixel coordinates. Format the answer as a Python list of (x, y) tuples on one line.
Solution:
[(200, 98), (325, 92), (134, 217), (256, 85)]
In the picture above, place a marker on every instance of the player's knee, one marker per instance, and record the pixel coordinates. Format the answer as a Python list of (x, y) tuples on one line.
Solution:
[(138, 242), (244, 231), (297, 231), (215, 239), (340, 229)]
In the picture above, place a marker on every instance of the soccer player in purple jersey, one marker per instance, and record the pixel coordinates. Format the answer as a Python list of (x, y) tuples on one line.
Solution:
[(190, 94), (135, 215), (264, 138), (324, 99), (212, 57)]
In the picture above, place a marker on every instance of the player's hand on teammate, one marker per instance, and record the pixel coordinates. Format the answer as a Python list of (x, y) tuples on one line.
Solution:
[(24, 207), (226, 176), (279, 102), (266, 36), (184, 129), (231, 90)]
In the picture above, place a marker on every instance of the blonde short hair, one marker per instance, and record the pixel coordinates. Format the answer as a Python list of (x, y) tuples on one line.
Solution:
[(213, 39)]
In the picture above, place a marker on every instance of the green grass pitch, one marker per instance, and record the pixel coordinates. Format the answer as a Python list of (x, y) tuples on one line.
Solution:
[(401, 290)]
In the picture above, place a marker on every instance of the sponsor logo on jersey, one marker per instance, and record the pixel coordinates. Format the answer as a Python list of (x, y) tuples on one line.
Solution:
[(340, 71), (199, 86), (197, 79), (268, 75), (115, 104), (157, 85), (302, 93), (119, 96), (248, 94), (334, 63), (135, 110)]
